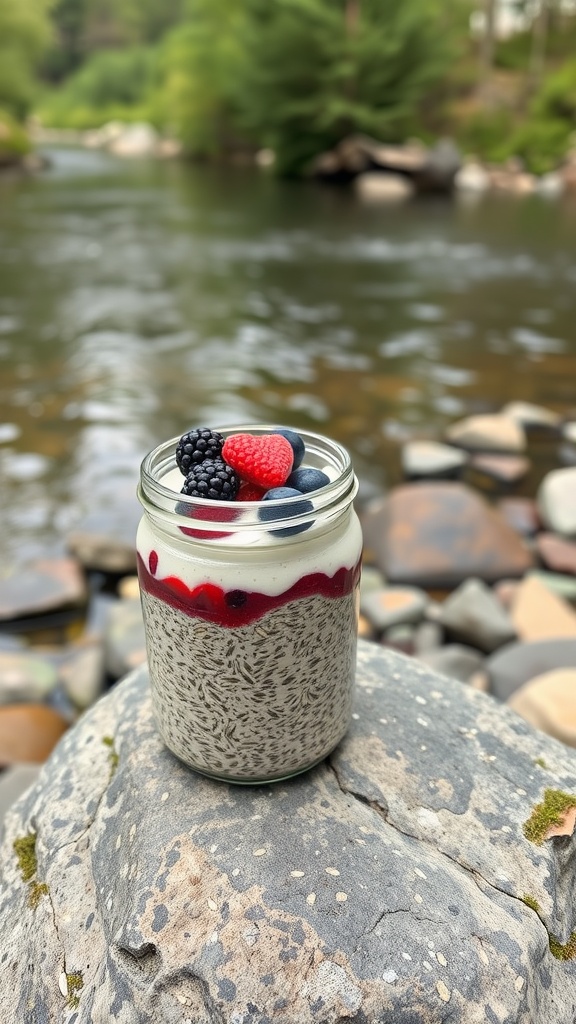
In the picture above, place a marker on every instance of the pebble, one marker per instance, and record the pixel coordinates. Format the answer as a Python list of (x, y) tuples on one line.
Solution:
[(393, 606), (431, 460), (538, 614), (549, 702), (474, 615), (41, 587), (29, 733), (510, 668), (556, 499)]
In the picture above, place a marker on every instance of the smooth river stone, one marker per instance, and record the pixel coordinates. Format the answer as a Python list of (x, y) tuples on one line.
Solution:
[(533, 417), (488, 433), (474, 615), (556, 553), (46, 585), (28, 732), (549, 703), (538, 614), (505, 470), (517, 664), (387, 884), (436, 535), (557, 501), (431, 459)]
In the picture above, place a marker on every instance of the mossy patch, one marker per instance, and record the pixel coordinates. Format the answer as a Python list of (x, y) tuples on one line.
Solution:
[(547, 814), (566, 951), (541, 763), (531, 902), (25, 849), (75, 984), (113, 758)]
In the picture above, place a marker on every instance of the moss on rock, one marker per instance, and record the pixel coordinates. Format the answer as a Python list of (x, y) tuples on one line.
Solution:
[(547, 814), (25, 850)]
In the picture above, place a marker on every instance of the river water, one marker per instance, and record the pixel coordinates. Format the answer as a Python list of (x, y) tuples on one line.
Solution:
[(138, 299)]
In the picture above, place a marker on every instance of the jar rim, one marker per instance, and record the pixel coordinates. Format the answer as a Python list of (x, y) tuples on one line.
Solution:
[(212, 516)]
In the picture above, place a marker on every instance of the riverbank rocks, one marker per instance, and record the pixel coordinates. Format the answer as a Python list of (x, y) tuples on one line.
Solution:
[(556, 553), (39, 587), (533, 418), (557, 501), (29, 733), (488, 433), (504, 470), (512, 666), (549, 703), (438, 534), (407, 878), (473, 614), (25, 677), (538, 614), (431, 459), (393, 606), (374, 186)]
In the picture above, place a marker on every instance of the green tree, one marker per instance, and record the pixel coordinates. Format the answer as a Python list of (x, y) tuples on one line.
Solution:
[(203, 62), (24, 32), (316, 70)]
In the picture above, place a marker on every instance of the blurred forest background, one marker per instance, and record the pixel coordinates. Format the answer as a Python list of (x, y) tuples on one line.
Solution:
[(295, 76)]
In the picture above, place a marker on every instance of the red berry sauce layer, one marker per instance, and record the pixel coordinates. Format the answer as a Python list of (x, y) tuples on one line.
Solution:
[(240, 607)]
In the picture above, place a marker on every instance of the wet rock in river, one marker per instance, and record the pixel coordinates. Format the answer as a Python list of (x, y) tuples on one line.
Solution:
[(106, 538), (488, 433), (502, 470), (169, 896), (43, 586), (533, 417), (438, 534), (431, 459)]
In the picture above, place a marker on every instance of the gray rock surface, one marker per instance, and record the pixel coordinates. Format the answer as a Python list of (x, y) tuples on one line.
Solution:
[(473, 614), (393, 606), (46, 585), (124, 640), (516, 664), (455, 660), (387, 884)]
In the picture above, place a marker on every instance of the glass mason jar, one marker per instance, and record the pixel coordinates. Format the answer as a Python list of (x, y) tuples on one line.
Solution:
[(251, 625)]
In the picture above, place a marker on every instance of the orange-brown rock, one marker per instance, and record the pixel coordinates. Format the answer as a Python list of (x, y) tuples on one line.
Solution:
[(28, 733), (438, 534), (538, 614), (549, 703)]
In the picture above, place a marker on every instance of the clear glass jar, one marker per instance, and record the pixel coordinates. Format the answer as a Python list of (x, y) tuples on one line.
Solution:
[(251, 626)]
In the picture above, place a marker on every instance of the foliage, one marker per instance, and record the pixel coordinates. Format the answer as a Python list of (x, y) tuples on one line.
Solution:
[(24, 32), (203, 62), (14, 142), (312, 75), (112, 85)]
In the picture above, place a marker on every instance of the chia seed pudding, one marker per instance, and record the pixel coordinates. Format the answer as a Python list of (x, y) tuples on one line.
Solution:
[(251, 629)]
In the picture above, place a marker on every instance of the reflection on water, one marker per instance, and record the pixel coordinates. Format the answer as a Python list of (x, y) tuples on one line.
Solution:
[(137, 299)]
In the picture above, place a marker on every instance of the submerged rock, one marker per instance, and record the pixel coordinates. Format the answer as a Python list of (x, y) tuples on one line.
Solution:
[(394, 882), (438, 534), (43, 586)]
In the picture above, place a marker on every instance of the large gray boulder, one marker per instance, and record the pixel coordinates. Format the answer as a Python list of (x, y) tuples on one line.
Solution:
[(393, 883)]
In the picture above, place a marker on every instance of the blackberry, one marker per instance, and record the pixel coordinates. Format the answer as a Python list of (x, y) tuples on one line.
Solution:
[(212, 478), (197, 445)]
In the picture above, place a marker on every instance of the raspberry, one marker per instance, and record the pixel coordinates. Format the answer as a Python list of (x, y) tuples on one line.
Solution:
[(265, 460), (197, 445), (212, 479), (250, 492)]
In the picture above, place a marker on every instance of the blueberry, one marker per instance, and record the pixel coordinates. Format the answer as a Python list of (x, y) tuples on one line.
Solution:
[(306, 480), (297, 508), (296, 442)]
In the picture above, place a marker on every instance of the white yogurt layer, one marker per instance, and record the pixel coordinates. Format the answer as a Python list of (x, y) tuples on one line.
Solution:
[(256, 562)]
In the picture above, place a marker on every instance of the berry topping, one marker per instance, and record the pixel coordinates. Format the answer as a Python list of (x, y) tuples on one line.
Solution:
[(250, 492), (207, 513), (306, 480), (265, 460), (197, 445), (296, 508), (212, 479), (153, 562), (296, 442)]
